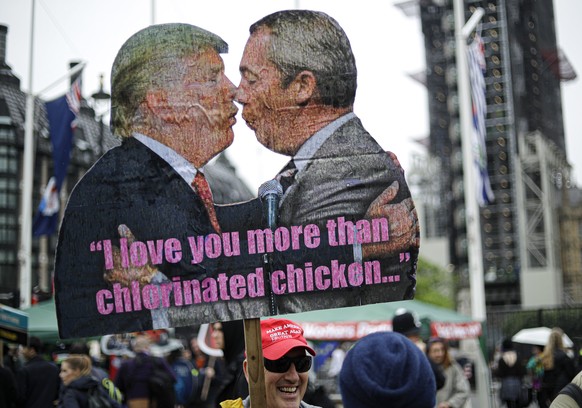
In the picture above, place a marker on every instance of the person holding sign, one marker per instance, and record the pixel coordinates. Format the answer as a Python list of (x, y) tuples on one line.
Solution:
[(297, 89), (287, 359)]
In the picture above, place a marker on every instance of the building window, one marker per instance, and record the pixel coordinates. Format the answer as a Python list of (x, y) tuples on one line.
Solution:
[(6, 135), (8, 159)]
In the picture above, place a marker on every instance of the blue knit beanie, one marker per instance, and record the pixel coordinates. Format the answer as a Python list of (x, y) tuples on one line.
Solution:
[(386, 369)]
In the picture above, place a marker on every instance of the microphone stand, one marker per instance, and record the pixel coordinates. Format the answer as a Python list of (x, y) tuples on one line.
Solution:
[(270, 193)]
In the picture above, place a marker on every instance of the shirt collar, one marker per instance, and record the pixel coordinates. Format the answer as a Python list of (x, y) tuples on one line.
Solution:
[(311, 145), (183, 167)]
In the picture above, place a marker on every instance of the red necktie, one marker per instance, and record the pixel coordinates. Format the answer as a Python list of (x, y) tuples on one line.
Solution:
[(202, 188)]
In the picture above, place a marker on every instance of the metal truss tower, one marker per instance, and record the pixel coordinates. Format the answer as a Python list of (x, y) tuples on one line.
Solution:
[(525, 144)]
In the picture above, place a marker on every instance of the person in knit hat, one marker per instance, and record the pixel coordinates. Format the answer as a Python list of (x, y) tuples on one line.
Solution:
[(385, 369)]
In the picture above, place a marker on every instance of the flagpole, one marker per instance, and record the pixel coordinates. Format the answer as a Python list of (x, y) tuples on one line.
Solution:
[(462, 31), (24, 255), (25, 251), (474, 247)]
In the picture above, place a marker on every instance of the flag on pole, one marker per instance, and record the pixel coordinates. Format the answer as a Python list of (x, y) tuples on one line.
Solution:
[(61, 113), (477, 66)]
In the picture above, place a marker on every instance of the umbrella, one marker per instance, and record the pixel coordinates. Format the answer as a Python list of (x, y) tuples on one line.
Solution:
[(538, 336)]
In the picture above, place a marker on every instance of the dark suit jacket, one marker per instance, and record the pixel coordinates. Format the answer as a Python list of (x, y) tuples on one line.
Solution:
[(8, 393), (344, 176), (38, 383), (132, 185)]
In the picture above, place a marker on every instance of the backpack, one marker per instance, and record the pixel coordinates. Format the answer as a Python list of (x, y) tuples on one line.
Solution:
[(574, 392), (185, 381), (96, 399), (161, 385), (113, 393)]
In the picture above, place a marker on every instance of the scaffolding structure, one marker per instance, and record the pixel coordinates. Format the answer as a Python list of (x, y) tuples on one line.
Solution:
[(526, 159)]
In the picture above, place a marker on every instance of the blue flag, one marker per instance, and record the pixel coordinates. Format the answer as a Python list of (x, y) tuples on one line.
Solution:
[(61, 113), (476, 60)]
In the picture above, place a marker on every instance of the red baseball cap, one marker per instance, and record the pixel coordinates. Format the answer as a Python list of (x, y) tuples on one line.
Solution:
[(279, 336)]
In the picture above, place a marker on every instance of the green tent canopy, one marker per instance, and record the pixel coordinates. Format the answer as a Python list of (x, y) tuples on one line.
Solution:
[(352, 323), (348, 323), (42, 323)]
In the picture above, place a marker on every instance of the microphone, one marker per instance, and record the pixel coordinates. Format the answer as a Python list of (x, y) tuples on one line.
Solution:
[(270, 193)]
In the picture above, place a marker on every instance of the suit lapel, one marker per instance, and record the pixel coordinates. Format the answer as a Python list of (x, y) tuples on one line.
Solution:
[(166, 182), (328, 150)]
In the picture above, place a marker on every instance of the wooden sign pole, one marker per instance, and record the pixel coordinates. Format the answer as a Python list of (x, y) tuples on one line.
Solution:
[(255, 364)]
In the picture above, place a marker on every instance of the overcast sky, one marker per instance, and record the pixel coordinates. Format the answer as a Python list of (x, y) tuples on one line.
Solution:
[(387, 45)]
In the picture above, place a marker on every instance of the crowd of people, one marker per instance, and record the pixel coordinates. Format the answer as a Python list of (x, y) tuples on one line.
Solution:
[(396, 369), (539, 378), (384, 368)]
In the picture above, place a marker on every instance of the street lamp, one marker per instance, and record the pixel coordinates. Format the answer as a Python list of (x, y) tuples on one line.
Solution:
[(100, 97)]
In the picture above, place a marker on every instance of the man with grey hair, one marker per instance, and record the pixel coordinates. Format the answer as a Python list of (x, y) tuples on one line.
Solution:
[(297, 89)]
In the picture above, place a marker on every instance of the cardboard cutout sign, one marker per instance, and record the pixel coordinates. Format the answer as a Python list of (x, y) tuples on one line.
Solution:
[(141, 247)]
